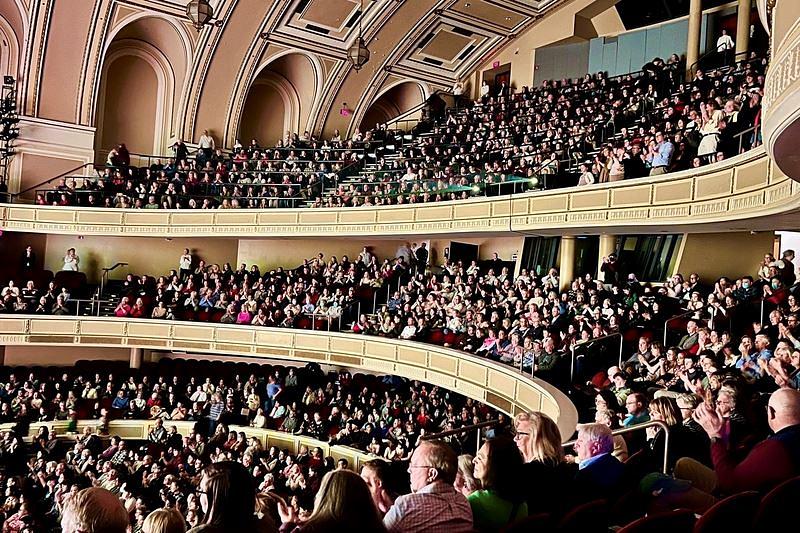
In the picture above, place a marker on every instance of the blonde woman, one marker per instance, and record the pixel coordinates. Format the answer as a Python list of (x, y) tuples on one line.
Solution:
[(164, 521), (539, 441), (465, 482)]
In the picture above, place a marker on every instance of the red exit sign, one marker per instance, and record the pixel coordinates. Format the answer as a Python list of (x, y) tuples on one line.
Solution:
[(495, 64)]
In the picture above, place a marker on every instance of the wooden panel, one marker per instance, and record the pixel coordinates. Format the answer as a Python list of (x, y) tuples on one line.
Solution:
[(713, 185), (381, 350), (590, 200), (235, 216), (520, 206), (274, 338), (396, 215), (752, 174), (235, 335), (14, 326), (472, 372), (473, 210), (549, 203), (39, 326), (501, 208), (348, 346), (104, 327), (195, 333), (358, 216), (550, 408), (412, 356), (144, 329), (313, 218), (501, 383), (628, 196), (427, 214), (448, 365), (194, 218), (55, 215), (311, 342), (22, 214), (680, 191), (147, 218), (90, 216), (529, 397), (274, 218)]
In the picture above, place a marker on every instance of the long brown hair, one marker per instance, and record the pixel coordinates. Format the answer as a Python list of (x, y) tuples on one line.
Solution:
[(343, 503), (231, 495)]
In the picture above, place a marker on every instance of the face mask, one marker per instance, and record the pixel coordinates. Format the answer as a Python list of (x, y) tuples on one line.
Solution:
[(746, 285)]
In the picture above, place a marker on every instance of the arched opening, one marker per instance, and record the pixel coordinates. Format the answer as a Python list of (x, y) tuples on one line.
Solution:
[(393, 102), (144, 69), (280, 99), (12, 37)]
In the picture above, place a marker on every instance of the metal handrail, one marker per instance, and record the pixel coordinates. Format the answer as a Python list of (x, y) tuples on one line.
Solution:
[(62, 175), (464, 429), (574, 345), (670, 319), (693, 68), (637, 427)]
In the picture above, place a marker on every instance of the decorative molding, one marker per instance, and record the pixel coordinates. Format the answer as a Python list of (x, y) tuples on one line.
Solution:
[(495, 384)]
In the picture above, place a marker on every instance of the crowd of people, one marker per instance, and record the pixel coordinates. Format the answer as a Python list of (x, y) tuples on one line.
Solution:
[(386, 416), (588, 130)]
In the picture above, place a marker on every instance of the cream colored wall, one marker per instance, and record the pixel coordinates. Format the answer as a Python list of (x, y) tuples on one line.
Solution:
[(712, 255), (152, 256), (263, 116), (131, 96), (61, 355), (272, 253)]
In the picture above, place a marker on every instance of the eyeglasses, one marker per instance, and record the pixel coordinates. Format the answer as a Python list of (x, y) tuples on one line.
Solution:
[(521, 434), (420, 466)]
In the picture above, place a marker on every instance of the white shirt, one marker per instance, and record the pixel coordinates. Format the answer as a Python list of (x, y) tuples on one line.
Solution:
[(70, 263), (186, 262), (485, 89), (725, 42), (206, 142)]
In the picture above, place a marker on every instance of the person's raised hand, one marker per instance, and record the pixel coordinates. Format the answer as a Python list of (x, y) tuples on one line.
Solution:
[(286, 512), (709, 419)]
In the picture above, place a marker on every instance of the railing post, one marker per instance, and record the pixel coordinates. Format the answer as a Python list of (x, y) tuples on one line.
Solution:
[(572, 364), (621, 343)]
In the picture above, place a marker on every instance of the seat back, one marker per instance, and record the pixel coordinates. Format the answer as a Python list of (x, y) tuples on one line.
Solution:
[(677, 521), (534, 522), (586, 518), (771, 514), (729, 514)]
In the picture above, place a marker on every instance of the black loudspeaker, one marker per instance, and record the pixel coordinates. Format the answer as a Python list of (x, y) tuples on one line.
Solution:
[(8, 80)]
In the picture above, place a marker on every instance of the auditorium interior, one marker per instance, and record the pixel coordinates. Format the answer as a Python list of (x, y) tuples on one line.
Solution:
[(399, 265)]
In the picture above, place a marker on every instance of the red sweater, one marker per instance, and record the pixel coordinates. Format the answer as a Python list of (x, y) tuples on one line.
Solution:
[(769, 463)]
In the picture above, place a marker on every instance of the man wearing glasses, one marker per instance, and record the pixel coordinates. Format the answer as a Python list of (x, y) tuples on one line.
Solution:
[(434, 505)]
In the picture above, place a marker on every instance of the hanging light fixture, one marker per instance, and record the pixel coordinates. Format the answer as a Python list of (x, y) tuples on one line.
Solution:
[(358, 54), (200, 13)]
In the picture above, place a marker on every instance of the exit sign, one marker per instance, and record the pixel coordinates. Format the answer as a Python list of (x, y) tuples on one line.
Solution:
[(495, 64)]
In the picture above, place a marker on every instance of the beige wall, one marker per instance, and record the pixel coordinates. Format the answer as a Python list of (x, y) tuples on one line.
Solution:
[(712, 255), (61, 355), (263, 116), (131, 102), (36, 168), (152, 256)]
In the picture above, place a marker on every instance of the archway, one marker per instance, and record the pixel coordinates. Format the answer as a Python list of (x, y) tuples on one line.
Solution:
[(280, 99), (145, 66), (393, 102)]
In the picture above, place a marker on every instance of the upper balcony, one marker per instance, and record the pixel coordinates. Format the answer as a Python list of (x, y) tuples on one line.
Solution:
[(746, 192)]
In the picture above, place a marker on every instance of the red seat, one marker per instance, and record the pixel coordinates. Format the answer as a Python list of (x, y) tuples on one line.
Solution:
[(677, 521), (772, 513), (729, 514), (586, 518)]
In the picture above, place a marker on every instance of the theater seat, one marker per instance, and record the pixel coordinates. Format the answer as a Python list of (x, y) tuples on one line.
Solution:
[(586, 518), (774, 512), (729, 514), (677, 521), (534, 522)]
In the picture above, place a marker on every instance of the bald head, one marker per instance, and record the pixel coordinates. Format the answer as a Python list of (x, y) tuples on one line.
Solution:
[(784, 409), (94, 510)]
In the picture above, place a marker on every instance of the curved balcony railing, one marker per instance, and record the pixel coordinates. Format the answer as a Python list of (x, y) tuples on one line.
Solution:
[(500, 386), (139, 429), (744, 187)]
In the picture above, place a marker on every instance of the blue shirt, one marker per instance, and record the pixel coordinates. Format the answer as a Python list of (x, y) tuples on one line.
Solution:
[(663, 156), (586, 462)]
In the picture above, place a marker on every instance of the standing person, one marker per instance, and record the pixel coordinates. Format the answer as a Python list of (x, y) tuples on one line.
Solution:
[(206, 146), (71, 261), (181, 151), (27, 261), (434, 505), (421, 254), (185, 264), (724, 46), (660, 155)]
